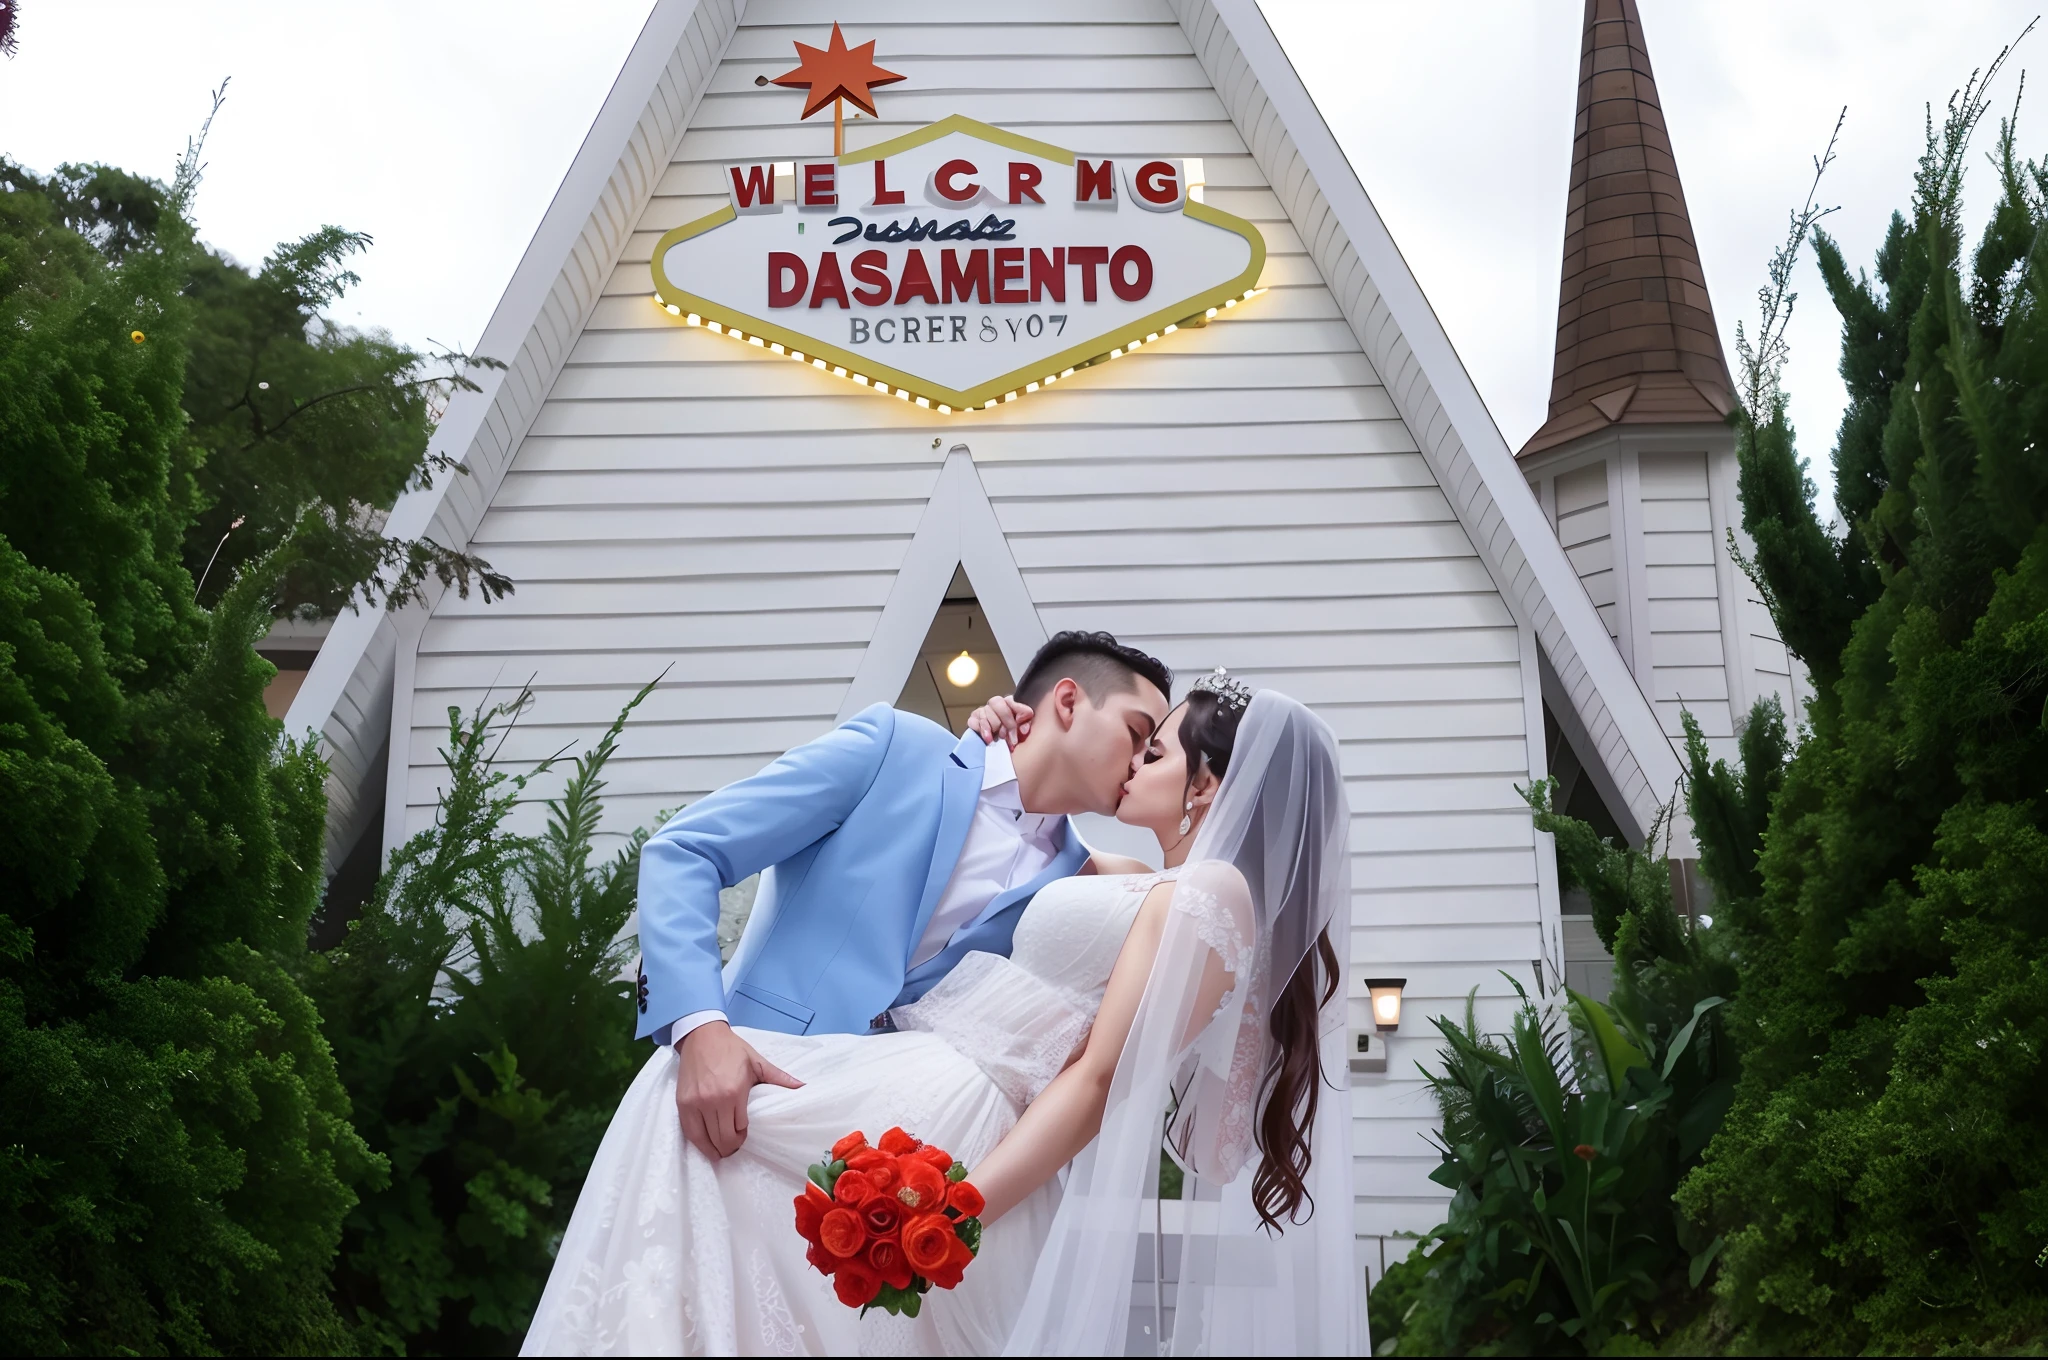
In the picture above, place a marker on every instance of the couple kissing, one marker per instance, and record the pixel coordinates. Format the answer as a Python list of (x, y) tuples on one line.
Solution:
[(934, 948)]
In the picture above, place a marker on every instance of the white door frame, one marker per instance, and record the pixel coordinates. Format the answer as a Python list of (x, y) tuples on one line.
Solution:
[(959, 529)]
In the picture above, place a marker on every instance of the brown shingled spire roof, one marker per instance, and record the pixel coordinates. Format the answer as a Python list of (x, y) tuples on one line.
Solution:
[(1636, 342)]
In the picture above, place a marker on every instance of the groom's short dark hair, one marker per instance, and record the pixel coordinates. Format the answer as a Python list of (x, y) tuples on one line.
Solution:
[(1097, 662)]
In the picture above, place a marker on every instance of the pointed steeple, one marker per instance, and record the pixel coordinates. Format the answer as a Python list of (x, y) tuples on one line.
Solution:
[(1636, 342)]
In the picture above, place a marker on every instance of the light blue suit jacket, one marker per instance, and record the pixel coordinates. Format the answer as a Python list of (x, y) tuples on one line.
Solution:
[(859, 832)]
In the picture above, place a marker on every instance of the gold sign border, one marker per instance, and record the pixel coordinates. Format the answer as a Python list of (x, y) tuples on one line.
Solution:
[(1187, 310)]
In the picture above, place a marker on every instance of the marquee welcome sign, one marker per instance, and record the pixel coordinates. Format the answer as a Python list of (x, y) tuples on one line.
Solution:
[(959, 265)]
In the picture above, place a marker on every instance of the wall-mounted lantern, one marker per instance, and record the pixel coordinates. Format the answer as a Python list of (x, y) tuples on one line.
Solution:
[(1369, 1052), (1386, 1002)]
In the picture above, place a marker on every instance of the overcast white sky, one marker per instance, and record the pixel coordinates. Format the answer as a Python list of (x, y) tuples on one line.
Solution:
[(443, 130)]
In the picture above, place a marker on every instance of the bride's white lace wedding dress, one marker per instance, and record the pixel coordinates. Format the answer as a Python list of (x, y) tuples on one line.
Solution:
[(669, 1253)]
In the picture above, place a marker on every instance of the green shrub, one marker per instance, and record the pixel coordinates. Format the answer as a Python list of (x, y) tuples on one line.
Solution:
[(175, 1156), (1643, 1080), (485, 1036), (1564, 1139), (1881, 1178)]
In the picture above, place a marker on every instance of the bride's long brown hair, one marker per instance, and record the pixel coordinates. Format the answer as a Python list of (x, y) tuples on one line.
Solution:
[(1292, 1087)]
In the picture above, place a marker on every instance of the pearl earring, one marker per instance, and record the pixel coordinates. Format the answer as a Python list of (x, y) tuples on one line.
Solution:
[(1188, 818)]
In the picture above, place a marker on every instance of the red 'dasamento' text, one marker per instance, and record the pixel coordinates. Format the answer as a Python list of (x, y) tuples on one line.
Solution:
[(1004, 274)]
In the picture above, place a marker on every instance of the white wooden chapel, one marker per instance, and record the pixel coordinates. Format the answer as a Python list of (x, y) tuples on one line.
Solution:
[(1308, 491)]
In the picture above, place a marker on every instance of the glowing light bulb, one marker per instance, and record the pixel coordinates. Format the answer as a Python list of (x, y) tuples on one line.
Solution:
[(963, 670), (1386, 1002)]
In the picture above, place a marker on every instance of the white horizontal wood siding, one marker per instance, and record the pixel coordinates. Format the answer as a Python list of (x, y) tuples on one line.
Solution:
[(1246, 495), (1646, 523), (1689, 655), (1585, 529)]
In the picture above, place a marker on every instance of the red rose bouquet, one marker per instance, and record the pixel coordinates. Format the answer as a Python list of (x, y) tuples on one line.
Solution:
[(889, 1222)]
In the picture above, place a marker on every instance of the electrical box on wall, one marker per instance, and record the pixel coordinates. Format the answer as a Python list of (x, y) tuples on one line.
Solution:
[(1368, 1051)]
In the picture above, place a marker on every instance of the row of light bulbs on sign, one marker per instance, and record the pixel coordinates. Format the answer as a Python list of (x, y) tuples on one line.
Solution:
[(875, 385)]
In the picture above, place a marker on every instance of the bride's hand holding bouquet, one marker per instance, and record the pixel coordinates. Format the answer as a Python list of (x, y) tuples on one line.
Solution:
[(887, 1223)]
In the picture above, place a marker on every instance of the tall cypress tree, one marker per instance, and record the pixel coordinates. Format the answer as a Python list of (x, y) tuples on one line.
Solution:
[(1881, 1175), (175, 1152)]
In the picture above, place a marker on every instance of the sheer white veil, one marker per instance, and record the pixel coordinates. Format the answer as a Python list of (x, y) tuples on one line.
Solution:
[(1269, 873)]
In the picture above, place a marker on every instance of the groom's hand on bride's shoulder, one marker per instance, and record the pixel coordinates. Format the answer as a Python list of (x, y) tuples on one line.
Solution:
[(1001, 717), (717, 1072)]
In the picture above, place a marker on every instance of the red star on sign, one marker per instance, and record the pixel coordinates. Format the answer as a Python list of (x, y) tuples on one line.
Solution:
[(838, 72)]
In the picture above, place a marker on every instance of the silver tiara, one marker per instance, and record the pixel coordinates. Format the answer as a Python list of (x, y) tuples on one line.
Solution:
[(1230, 692)]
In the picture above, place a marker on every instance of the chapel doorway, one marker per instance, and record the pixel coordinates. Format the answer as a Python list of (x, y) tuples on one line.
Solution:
[(959, 664), (1588, 967)]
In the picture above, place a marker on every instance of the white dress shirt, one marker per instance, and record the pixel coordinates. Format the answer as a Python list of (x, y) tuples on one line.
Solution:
[(1006, 848)]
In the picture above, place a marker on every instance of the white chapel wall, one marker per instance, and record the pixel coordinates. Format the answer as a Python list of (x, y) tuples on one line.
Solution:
[(1647, 530), (1245, 495), (1689, 671), (1584, 520)]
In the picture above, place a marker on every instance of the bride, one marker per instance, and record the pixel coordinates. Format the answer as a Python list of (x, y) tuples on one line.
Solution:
[(1200, 1009)]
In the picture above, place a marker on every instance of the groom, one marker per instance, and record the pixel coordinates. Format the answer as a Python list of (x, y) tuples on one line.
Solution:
[(896, 850)]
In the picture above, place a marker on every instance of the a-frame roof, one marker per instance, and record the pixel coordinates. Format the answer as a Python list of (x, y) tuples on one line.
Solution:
[(1636, 343), (346, 697)]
